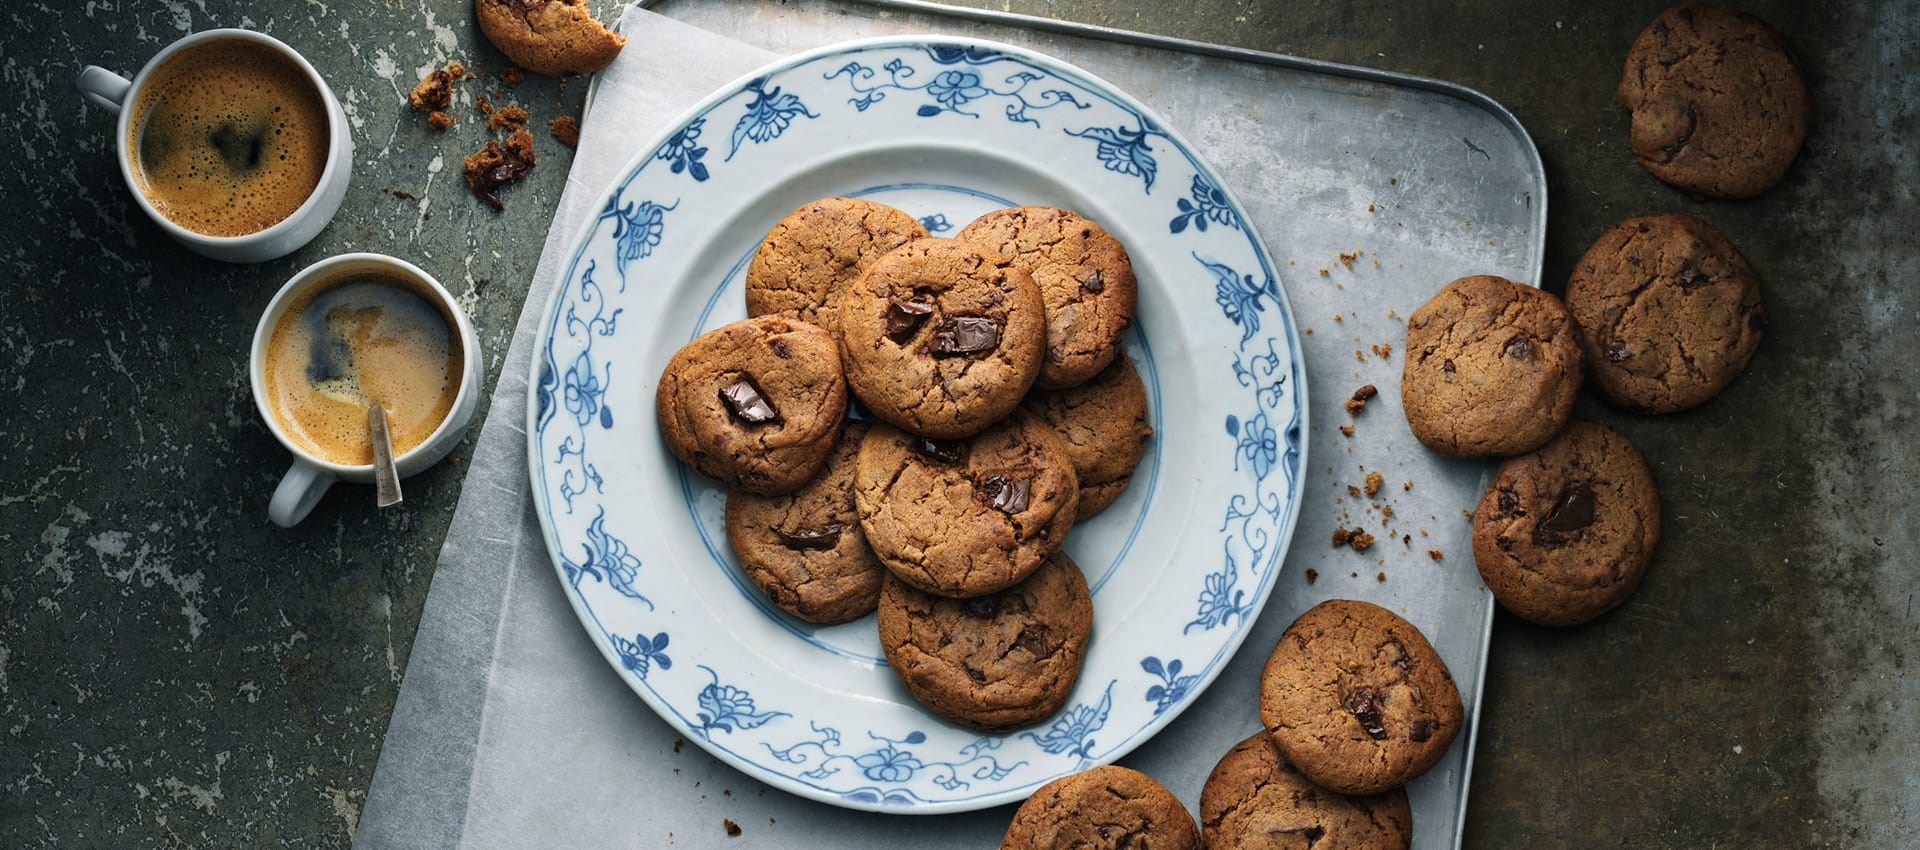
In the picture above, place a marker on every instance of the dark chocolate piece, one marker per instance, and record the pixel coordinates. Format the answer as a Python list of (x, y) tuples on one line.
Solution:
[(904, 318), (1419, 731), (819, 539), (963, 335), (940, 451), (1366, 709), (1617, 351), (746, 403), (1005, 494), (1092, 283), (1571, 512), (983, 606), (1519, 349)]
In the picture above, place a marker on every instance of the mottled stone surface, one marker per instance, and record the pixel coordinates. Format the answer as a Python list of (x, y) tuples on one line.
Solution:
[(176, 672)]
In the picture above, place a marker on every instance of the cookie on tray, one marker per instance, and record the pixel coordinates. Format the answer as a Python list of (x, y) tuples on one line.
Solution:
[(942, 338), (1491, 368), (995, 662), (1357, 699), (1104, 425), (1085, 279), (812, 255), (1718, 104), (966, 517), (1563, 534), (805, 550), (1255, 800), (1105, 808), (756, 405), (1668, 312), (553, 37)]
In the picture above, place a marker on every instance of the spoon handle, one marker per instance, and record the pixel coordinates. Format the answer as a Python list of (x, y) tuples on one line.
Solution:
[(386, 480)]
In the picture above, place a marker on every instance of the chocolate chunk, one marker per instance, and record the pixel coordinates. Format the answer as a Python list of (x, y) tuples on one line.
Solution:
[(1365, 392), (1004, 494), (1365, 707), (1691, 277), (940, 451), (983, 606), (1092, 283), (962, 335), (780, 348), (1571, 512), (1519, 349), (1034, 643), (746, 403), (904, 317), (1508, 501), (821, 539), (1402, 661), (1419, 731), (1617, 351), (1447, 366)]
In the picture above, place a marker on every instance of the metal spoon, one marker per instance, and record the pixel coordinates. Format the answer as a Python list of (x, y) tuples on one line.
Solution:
[(386, 480)]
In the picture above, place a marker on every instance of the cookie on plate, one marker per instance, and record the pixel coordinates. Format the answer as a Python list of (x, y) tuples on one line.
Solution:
[(1255, 800), (942, 338), (1491, 367), (1563, 534), (1357, 699), (1105, 808), (1104, 425), (805, 550), (553, 37), (1719, 106), (1668, 313), (812, 255), (993, 662), (966, 517), (1085, 279), (756, 405)]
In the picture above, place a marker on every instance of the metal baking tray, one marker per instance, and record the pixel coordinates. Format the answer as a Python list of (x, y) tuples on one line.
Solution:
[(1373, 190)]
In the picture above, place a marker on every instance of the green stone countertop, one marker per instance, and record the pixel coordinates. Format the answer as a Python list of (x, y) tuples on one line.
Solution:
[(176, 672)]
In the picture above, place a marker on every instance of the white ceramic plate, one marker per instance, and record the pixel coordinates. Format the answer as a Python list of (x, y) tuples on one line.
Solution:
[(946, 129)]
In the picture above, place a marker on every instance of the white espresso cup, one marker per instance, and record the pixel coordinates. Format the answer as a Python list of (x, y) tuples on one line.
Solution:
[(119, 94), (310, 476)]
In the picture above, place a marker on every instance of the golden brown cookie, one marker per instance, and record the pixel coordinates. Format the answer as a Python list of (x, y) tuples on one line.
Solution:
[(966, 517), (993, 662), (941, 338), (552, 37), (1357, 699), (1668, 313), (1255, 800), (1106, 808), (1718, 103), (1104, 424), (756, 405), (812, 255), (1563, 534), (1085, 279), (805, 550), (1491, 368)]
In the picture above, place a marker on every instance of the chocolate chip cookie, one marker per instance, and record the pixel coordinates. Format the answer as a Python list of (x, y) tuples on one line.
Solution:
[(942, 338), (1718, 103), (1491, 368), (756, 405), (806, 550), (1668, 313), (553, 37), (813, 254), (1104, 424), (1357, 699), (966, 517), (1255, 800), (1106, 808), (1563, 534), (993, 662), (1085, 279)]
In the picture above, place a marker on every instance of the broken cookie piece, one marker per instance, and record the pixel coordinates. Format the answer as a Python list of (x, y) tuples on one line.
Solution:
[(565, 130), (496, 165), (553, 37), (435, 90)]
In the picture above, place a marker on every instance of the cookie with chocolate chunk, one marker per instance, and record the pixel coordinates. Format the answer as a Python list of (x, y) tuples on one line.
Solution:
[(1085, 279), (965, 517), (756, 405), (942, 338), (1357, 699), (1718, 103), (1564, 534), (1668, 312), (1105, 808), (1104, 425), (1255, 800), (1491, 367), (995, 662), (805, 550), (553, 37), (813, 254)]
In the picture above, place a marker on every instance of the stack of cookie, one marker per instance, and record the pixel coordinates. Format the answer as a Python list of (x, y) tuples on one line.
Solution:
[(995, 408)]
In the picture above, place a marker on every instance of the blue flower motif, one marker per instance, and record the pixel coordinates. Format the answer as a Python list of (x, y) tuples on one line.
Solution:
[(936, 223), (889, 764), (1259, 445), (729, 708), (1123, 151), (637, 229), (684, 152), (637, 654), (953, 88), (1219, 601), (1173, 686), (582, 390), (768, 115), (1239, 297), (951, 54), (1073, 732), (1208, 204)]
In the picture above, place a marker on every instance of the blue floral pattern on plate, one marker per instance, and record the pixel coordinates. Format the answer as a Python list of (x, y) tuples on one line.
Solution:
[(758, 690)]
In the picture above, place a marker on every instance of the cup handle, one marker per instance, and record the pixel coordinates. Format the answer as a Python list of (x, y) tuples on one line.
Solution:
[(300, 489), (103, 87)]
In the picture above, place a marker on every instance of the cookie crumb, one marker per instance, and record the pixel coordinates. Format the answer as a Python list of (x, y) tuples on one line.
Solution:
[(1386, 510), (1359, 540), (1313, 575), (439, 121), (1347, 430), (1346, 259), (1374, 480), (511, 115), (1380, 576), (1340, 537), (1323, 271), (513, 75), (1408, 485), (434, 92), (494, 166), (565, 130), (1435, 554), (733, 829), (1406, 540), (1383, 350), (1360, 396), (677, 743), (1336, 317), (1353, 491), (1370, 208)]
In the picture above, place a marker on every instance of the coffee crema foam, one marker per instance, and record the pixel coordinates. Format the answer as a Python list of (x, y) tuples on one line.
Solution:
[(348, 343), (229, 137)]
